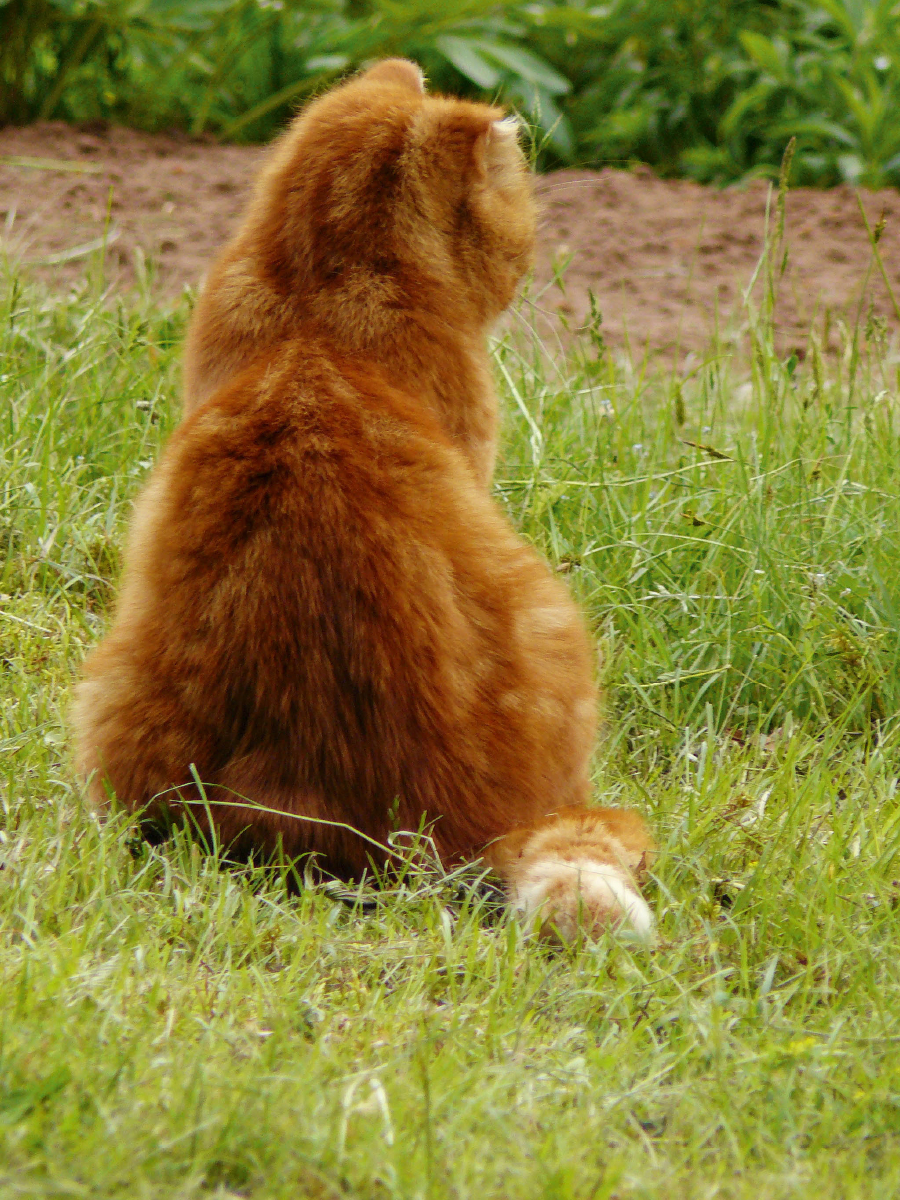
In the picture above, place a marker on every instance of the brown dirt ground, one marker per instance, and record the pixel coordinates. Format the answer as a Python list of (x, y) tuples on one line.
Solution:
[(666, 260)]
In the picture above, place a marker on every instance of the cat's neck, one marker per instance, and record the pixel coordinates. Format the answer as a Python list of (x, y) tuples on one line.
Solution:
[(443, 366), (448, 370)]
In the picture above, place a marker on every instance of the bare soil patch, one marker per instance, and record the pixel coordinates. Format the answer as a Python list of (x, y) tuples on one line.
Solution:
[(666, 260)]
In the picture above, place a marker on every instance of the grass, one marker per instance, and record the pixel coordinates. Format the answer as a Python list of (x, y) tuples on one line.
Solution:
[(171, 1029)]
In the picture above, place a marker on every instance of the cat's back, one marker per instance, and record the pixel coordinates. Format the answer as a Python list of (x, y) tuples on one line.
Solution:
[(310, 538), (309, 473), (298, 428)]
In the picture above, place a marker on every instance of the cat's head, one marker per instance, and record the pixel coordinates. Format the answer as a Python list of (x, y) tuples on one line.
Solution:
[(380, 189)]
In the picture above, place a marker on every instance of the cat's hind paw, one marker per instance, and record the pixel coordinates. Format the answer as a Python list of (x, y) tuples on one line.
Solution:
[(565, 896)]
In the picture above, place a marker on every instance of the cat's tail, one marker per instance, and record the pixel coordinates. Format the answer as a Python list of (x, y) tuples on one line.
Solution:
[(578, 869)]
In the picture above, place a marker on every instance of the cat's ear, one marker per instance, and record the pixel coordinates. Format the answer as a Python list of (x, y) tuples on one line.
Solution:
[(468, 140), (400, 71), (506, 130), (497, 149)]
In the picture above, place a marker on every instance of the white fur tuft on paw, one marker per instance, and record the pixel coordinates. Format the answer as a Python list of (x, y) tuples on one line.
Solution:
[(566, 895)]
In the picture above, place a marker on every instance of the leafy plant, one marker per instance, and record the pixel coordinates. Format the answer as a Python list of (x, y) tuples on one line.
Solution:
[(52, 52), (709, 88), (649, 80), (835, 86), (236, 66)]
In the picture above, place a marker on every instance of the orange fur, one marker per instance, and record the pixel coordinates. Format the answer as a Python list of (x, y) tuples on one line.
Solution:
[(322, 608)]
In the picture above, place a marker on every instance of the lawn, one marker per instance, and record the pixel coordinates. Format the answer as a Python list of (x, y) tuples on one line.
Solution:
[(731, 525)]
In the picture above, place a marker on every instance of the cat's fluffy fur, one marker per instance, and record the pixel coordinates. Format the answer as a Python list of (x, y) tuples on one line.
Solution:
[(322, 609)]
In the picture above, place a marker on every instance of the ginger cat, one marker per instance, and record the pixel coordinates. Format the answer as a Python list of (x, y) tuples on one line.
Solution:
[(323, 610)]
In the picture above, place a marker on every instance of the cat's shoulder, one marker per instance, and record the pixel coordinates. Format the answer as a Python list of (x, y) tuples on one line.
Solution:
[(308, 409)]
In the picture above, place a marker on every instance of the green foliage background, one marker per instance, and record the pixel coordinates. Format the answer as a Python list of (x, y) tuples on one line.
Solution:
[(712, 89)]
